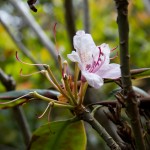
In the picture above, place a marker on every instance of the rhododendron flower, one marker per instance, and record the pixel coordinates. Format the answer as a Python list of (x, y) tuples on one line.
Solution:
[(94, 61)]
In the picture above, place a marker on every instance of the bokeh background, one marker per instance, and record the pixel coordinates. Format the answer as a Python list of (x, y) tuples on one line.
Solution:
[(25, 31)]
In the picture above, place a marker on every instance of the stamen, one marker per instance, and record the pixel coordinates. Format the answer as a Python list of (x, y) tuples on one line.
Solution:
[(27, 75), (114, 56), (114, 49), (27, 63), (101, 53), (102, 62), (96, 64), (88, 66), (93, 65)]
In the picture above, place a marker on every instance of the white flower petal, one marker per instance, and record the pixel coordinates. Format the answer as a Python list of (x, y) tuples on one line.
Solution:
[(85, 47), (74, 57), (106, 51), (111, 71), (105, 48), (93, 64), (93, 79), (80, 32)]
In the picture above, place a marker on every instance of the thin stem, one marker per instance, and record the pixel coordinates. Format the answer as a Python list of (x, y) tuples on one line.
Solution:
[(82, 92), (48, 106), (55, 81), (129, 95), (63, 106), (76, 74), (55, 103), (60, 62), (45, 73), (39, 96), (72, 99)]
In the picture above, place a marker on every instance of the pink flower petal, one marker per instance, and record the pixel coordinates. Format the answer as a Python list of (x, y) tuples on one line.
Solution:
[(106, 51), (74, 57), (85, 47), (93, 79), (93, 60), (111, 71)]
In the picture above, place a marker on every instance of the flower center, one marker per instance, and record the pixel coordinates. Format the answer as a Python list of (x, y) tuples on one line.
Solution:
[(95, 65)]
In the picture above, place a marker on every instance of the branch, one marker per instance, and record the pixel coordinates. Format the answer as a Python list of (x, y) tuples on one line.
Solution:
[(129, 95), (86, 17), (7, 81), (69, 18), (22, 9), (85, 115), (19, 44), (144, 103)]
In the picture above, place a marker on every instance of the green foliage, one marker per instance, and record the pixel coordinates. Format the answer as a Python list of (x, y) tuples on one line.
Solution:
[(103, 29), (59, 135)]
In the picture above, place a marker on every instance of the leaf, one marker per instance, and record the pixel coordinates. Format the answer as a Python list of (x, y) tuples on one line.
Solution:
[(11, 95), (16, 94), (13, 104), (60, 135)]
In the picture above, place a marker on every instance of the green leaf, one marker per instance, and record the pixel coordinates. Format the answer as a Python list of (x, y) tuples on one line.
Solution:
[(12, 95), (60, 135), (16, 94)]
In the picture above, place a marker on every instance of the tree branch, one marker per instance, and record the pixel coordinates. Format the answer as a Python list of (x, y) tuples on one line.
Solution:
[(19, 44), (69, 18), (84, 114), (129, 95), (86, 17), (22, 9)]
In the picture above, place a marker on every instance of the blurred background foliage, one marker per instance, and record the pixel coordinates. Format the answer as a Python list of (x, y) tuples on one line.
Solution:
[(103, 27)]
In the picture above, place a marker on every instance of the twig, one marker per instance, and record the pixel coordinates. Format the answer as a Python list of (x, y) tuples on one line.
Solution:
[(129, 95), (22, 9), (144, 103), (9, 84), (86, 17), (69, 18), (19, 44), (7, 81)]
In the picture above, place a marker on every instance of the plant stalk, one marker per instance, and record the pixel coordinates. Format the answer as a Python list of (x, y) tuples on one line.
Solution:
[(129, 94)]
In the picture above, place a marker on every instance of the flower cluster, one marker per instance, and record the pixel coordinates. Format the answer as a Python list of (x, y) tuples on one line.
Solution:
[(94, 63)]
